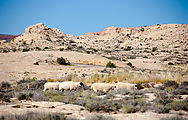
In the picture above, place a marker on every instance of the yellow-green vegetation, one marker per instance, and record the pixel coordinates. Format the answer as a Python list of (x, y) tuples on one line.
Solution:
[(54, 80), (129, 109), (132, 77), (170, 88), (141, 81), (179, 105), (31, 79)]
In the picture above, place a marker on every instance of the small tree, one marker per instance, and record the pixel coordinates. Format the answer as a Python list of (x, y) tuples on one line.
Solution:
[(111, 65)]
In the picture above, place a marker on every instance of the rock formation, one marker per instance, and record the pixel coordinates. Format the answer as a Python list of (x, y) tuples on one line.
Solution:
[(40, 35)]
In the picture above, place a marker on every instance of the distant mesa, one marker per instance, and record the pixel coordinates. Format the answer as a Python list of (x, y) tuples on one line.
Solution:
[(7, 37)]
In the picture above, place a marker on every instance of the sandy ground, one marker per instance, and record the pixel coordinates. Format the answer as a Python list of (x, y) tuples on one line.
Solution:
[(151, 64), (15, 66)]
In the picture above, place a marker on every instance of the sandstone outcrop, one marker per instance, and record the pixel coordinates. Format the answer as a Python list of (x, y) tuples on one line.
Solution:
[(40, 35)]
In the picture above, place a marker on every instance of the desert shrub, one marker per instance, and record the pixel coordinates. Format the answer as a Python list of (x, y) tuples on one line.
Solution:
[(171, 83), (64, 98), (162, 98), (170, 63), (38, 95), (184, 84), (130, 64), (142, 29), (162, 101), (175, 118), (128, 48), (37, 85), (4, 96), (71, 41), (154, 49), (4, 85), (61, 49), (69, 48), (161, 109), (62, 61), (129, 109), (6, 51), (37, 48), (119, 91), (25, 96), (99, 117), (132, 57), (68, 97), (24, 42), (180, 91), (139, 86), (36, 63), (101, 105), (6, 91), (30, 84), (178, 105), (25, 50), (145, 56), (34, 115), (14, 49), (45, 48), (110, 65)]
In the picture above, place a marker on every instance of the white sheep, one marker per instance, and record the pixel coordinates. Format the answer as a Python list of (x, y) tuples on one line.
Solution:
[(102, 87), (70, 85), (121, 85), (51, 85)]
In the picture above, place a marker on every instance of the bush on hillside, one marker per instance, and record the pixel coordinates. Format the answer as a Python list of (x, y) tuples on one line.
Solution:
[(110, 65), (25, 50)]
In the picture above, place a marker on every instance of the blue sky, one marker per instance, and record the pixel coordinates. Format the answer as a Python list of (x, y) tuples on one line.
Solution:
[(81, 16)]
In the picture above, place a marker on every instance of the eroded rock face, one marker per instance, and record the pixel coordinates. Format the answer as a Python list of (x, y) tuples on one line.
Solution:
[(39, 35)]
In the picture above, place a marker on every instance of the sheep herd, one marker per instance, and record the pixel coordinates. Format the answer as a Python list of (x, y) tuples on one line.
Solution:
[(97, 87)]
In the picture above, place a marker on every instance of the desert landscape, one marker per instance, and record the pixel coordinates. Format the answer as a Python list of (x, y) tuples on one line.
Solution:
[(141, 73)]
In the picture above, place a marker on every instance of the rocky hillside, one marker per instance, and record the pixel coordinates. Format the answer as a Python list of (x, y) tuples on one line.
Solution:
[(41, 36), (166, 44)]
